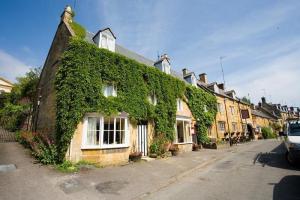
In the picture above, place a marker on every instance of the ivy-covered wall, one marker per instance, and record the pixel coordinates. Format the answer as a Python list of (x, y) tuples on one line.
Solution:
[(79, 80), (203, 105)]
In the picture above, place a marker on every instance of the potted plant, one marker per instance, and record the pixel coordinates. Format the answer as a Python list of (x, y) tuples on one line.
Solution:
[(154, 150), (174, 149), (195, 147), (135, 156)]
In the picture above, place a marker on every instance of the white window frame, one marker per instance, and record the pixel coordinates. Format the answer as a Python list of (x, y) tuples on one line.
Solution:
[(187, 138), (152, 99), (179, 105), (105, 87), (219, 127), (220, 107), (205, 108), (101, 145), (232, 110)]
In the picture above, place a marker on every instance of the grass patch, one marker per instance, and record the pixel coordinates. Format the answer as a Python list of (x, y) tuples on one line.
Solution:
[(70, 167)]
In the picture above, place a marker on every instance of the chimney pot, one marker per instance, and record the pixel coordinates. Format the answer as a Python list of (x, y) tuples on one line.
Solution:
[(66, 16), (203, 78), (185, 71)]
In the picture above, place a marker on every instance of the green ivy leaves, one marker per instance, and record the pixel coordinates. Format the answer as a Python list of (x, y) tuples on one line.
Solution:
[(79, 80)]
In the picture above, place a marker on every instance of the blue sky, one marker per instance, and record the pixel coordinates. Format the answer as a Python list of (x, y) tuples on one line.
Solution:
[(260, 40)]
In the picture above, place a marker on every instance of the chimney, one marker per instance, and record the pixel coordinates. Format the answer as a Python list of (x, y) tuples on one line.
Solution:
[(185, 71), (252, 106), (203, 78), (67, 15), (263, 100), (221, 86), (259, 104)]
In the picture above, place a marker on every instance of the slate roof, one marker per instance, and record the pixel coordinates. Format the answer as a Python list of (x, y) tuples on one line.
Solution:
[(261, 114), (130, 54)]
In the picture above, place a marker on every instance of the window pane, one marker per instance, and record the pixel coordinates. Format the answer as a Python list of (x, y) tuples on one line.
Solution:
[(108, 131), (180, 131), (120, 137), (93, 131)]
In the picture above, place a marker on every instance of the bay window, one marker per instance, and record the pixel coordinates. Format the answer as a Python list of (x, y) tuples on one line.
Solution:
[(105, 132)]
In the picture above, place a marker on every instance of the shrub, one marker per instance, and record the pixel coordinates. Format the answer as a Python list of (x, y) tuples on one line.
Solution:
[(43, 148), (12, 116), (267, 133), (67, 166)]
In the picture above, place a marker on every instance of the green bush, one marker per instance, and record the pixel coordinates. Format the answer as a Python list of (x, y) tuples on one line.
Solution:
[(42, 147), (67, 167), (12, 116), (267, 133)]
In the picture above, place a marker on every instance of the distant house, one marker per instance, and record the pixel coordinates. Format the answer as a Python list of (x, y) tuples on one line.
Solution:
[(99, 138), (233, 116), (5, 85), (261, 118)]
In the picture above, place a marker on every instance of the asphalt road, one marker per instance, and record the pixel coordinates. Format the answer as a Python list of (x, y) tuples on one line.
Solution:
[(255, 173)]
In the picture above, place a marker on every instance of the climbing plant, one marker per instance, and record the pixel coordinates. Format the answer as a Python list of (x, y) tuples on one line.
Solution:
[(203, 107), (85, 68)]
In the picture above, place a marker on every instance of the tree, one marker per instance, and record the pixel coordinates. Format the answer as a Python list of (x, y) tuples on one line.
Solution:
[(246, 100), (16, 106)]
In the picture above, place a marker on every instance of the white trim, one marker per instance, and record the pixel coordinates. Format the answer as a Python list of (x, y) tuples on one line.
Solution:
[(101, 144), (188, 138)]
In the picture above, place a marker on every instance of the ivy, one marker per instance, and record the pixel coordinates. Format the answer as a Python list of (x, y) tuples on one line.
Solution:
[(78, 29), (79, 80), (84, 69), (203, 107)]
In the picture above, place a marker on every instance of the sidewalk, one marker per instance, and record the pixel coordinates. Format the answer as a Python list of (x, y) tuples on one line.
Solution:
[(6, 136), (132, 181)]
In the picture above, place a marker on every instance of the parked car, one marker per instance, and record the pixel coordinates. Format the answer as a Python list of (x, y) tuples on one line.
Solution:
[(292, 141)]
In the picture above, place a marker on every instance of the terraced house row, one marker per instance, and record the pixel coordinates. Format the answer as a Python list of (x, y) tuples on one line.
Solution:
[(110, 138)]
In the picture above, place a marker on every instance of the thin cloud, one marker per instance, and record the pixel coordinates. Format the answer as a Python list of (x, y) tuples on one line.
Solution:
[(11, 67)]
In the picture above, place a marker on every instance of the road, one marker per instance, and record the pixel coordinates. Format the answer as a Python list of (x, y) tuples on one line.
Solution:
[(258, 172), (254, 171)]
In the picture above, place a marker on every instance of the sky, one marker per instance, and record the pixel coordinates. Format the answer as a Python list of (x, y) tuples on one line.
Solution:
[(258, 40)]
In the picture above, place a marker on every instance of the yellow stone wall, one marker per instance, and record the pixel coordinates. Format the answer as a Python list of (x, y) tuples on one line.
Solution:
[(5, 86), (229, 117), (105, 157), (260, 121)]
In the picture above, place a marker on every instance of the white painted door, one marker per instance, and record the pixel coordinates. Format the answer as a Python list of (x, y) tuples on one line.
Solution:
[(143, 139)]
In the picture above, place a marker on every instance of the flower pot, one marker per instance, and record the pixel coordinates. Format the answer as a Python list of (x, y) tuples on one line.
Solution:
[(153, 155), (135, 156), (175, 153)]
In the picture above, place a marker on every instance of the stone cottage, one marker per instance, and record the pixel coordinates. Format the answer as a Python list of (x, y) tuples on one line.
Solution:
[(98, 138)]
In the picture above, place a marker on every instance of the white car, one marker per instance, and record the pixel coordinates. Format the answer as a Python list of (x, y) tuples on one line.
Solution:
[(292, 141)]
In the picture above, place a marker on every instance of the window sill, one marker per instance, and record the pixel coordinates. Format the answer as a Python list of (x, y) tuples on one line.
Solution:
[(180, 143), (104, 147)]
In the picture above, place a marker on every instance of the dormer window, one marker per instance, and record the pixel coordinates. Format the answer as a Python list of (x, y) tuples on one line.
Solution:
[(152, 99), (105, 39), (109, 89), (194, 80), (104, 42), (166, 67), (179, 105), (163, 64)]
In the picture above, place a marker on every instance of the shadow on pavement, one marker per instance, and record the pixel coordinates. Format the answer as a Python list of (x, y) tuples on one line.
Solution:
[(275, 158), (287, 188)]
